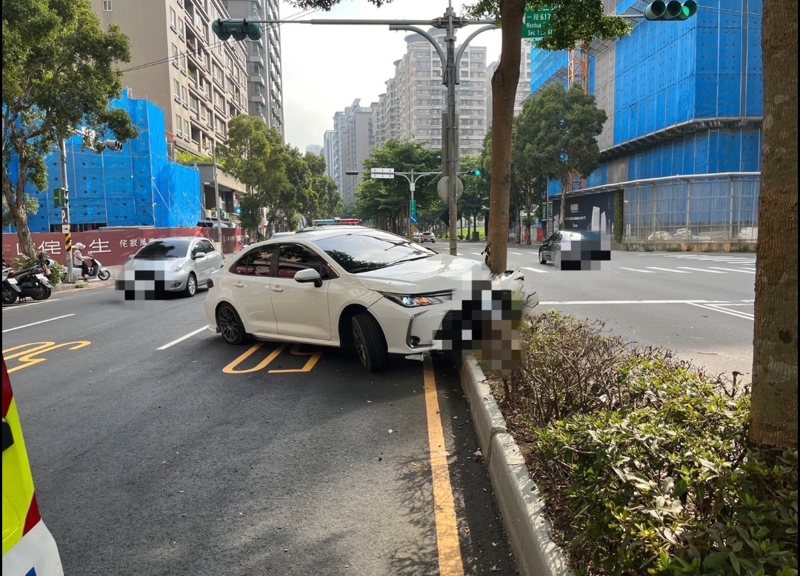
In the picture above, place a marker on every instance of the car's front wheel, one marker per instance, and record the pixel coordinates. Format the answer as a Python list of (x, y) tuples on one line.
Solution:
[(229, 324), (191, 285), (369, 342)]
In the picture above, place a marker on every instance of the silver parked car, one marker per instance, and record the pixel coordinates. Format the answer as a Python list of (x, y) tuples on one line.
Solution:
[(180, 264)]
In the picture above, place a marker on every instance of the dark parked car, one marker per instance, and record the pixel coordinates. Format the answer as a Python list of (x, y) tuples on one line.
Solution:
[(575, 249)]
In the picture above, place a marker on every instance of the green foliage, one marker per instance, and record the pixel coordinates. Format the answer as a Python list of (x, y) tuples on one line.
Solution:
[(31, 207), (57, 271), (644, 460), (189, 158), (58, 72)]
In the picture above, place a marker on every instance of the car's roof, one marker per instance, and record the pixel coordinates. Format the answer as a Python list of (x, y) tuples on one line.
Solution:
[(172, 238), (321, 232)]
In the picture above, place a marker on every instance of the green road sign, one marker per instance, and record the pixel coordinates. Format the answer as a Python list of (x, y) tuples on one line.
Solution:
[(413, 209), (536, 23)]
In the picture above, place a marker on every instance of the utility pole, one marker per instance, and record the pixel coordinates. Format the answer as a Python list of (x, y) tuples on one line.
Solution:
[(216, 193), (65, 225)]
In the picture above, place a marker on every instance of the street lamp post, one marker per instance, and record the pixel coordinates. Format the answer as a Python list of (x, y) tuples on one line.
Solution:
[(216, 194)]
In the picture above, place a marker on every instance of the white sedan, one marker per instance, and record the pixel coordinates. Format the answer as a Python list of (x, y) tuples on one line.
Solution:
[(357, 287)]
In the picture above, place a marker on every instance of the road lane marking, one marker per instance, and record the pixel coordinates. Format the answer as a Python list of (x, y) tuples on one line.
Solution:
[(29, 351), (734, 270), (447, 542), (182, 338), (477, 254), (307, 367), (231, 367), (535, 270), (597, 302), (701, 270), (27, 304), (517, 253), (39, 322), (667, 270), (637, 270), (717, 308)]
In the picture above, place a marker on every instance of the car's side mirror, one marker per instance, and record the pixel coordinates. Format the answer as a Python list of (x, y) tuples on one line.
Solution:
[(198, 255), (308, 275)]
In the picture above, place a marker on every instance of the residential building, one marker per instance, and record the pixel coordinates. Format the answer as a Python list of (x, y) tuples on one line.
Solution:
[(264, 67), (314, 149), (349, 144)]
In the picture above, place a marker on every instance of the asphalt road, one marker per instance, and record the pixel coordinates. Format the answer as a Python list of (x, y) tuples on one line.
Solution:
[(155, 451), (700, 305)]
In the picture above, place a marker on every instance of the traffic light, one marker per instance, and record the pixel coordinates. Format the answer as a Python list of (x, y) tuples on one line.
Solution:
[(476, 172), (238, 28), (670, 10), (58, 196)]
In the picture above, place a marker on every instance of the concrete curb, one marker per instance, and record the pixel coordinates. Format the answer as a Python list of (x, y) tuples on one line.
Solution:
[(518, 497)]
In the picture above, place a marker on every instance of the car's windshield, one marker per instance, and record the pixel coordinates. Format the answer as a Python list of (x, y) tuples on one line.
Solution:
[(373, 251), (163, 249)]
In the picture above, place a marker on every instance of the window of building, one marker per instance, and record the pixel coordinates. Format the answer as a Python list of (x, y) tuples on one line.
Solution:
[(184, 95), (253, 7), (179, 125), (175, 55), (176, 85), (194, 104), (173, 19), (106, 5)]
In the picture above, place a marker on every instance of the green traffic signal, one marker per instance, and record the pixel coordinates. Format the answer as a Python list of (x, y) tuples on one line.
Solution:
[(58, 196), (239, 29), (475, 172), (670, 10)]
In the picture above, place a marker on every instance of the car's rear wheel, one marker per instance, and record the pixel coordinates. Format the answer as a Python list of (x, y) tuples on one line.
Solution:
[(541, 257), (369, 342), (191, 285), (229, 324)]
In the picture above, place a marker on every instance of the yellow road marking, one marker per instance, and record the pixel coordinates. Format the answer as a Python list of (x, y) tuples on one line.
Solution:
[(307, 367), (28, 353), (231, 368), (450, 562)]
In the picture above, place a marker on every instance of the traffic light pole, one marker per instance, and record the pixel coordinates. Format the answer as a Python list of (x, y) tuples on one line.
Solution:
[(65, 225), (412, 178)]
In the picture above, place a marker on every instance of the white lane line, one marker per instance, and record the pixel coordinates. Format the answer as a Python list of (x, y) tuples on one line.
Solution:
[(26, 304), (636, 270), (39, 322), (701, 270), (667, 270), (534, 270), (734, 270), (477, 254), (182, 338), (517, 253), (596, 302), (716, 308)]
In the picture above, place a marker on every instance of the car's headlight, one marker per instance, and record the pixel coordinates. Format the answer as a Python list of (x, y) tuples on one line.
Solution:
[(177, 267), (413, 300)]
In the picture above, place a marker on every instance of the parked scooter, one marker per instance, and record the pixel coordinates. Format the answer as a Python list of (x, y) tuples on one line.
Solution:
[(96, 269), (33, 282), (11, 289)]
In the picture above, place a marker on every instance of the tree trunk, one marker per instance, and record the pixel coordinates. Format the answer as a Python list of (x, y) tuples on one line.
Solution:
[(774, 395), (504, 89)]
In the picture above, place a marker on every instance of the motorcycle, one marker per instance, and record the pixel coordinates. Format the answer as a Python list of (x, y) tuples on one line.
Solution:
[(96, 269), (11, 289), (33, 281)]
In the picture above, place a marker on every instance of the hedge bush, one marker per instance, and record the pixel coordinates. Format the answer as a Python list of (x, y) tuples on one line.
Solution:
[(643, 460)]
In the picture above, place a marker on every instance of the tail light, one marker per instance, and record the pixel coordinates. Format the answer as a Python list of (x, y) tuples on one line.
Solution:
[(209, 283)]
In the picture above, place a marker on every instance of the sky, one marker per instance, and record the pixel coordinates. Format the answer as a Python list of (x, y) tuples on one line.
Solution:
[(327, 67)]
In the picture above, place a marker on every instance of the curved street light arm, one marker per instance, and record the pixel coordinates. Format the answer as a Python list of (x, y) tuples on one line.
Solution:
[(466, 43)]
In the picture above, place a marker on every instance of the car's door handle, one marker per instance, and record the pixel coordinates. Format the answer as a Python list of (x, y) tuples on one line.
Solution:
[(239, 284), (276, 288)]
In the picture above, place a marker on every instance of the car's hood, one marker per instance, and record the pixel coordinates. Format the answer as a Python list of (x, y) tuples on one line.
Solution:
[(439, 272)]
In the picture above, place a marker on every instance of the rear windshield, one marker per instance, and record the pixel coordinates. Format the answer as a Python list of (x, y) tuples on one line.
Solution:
[(364, 252), (163, 250)]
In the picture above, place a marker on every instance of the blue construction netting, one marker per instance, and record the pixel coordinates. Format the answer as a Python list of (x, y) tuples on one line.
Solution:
[(136, 186)]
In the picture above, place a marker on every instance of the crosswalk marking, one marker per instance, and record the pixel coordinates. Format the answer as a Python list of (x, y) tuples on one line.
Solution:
[(734, 270), (535, 270), (668, 270), (701, 270), (637, 270)]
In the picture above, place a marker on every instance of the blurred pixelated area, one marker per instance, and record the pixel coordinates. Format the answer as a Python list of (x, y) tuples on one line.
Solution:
[(143, 285), (487, 323), (585, 254)]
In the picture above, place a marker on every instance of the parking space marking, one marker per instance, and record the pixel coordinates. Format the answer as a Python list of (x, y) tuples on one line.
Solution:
[(447, 541), (27, 353), (39, 322), (668, 270), (182, 338), (701, 270), (307, 367), (231, 367), (636, 270), (720, 308), (745, 271)]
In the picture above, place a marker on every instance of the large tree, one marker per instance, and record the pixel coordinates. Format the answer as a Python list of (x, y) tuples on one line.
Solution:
[(58, 73), (774, 397)]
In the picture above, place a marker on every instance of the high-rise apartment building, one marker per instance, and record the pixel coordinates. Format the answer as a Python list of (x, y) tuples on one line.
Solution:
[(415, 98), (523, 86), (346, 146), (178, 63), (264, 69)]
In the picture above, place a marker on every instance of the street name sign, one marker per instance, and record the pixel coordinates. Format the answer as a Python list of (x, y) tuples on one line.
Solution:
[(382, 173), (536, 23)]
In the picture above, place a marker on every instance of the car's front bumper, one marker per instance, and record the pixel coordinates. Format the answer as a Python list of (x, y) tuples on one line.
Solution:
[(155, 281)]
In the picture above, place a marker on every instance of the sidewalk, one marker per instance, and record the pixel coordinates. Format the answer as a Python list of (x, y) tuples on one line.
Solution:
[(92, 284)]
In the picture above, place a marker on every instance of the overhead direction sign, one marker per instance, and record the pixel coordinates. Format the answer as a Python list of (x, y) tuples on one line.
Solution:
[(536, 24), (382, 173)]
